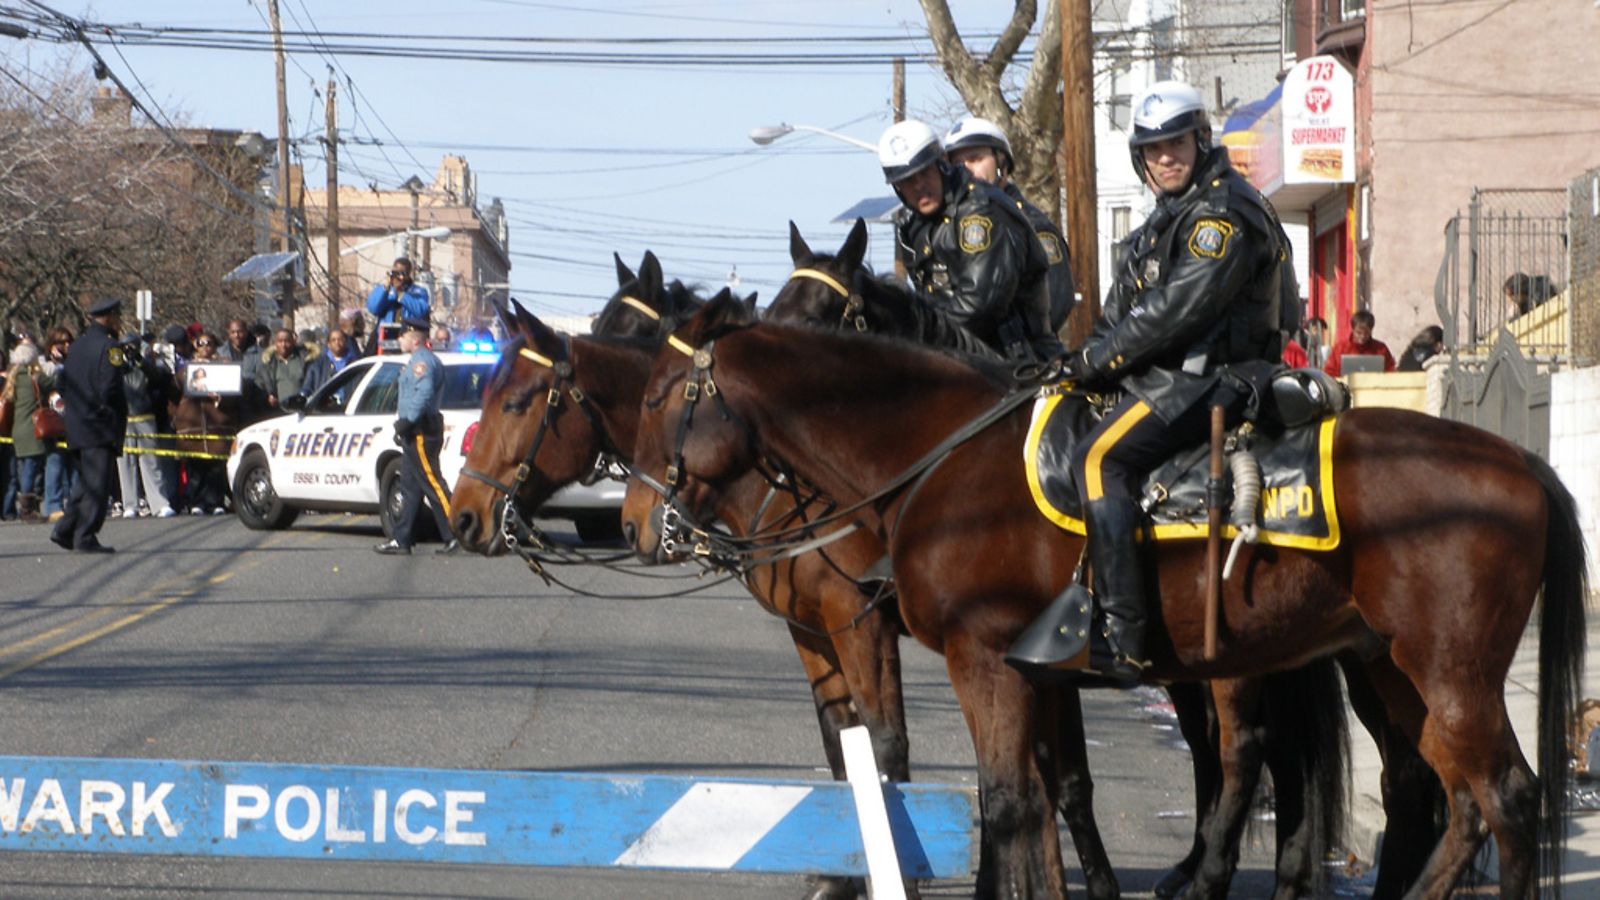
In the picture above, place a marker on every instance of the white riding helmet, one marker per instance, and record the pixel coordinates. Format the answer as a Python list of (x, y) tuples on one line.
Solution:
[(1165, 110), (975, 132), (907, 148)]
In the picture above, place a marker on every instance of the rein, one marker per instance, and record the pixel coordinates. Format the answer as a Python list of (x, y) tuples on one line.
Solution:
[(855, 307), (679, 528), (514, 527)]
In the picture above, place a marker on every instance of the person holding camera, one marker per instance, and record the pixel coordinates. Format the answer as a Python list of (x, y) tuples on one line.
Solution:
[(149, 387), (419, 430), (397, 299)]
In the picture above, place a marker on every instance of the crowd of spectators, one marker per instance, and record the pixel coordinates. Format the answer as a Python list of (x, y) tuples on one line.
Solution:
[(174, 459)]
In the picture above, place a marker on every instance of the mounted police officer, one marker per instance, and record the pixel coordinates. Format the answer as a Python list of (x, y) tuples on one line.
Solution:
[(1195, 317), (419, 430), (967, 248), (979, 146), (96, 415)]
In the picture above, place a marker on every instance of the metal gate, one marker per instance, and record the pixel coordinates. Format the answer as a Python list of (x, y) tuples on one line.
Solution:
[(1501, 300)]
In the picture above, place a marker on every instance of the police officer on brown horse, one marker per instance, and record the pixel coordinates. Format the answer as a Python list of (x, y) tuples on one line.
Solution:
[(968, 250), (1198, 295), (979, 146)]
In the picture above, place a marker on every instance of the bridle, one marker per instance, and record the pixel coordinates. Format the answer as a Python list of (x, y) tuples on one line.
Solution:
[(855, 308), (514, 527), (680, 530)]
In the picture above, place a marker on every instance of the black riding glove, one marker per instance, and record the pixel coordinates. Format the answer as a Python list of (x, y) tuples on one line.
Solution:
[(403, 430)]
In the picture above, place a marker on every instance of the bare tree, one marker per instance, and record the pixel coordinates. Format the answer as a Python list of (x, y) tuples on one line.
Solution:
[(91, 209), (1031, 115)]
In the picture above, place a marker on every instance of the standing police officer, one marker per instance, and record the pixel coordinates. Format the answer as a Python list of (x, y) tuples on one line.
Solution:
[(979, 146), (419, 430), (1197, 297), (967, 247), (96, 416)]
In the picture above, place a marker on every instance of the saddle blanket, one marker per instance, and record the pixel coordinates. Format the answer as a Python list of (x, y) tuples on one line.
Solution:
[(1296, 507)]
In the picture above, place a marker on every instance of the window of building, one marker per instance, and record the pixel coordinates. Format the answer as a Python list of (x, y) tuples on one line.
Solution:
[(1352, 9), (1121, 222), (1290, 52), (1121, 91)]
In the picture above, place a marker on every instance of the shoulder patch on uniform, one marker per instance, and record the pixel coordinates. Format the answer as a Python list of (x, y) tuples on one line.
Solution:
[(1052, 248), (976, 233), (419, 369), (1210, 238), (114, 356)]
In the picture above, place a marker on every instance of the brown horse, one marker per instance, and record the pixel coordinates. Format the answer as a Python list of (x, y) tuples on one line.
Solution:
[(1449, 534), (847, 644), (1303, 743)]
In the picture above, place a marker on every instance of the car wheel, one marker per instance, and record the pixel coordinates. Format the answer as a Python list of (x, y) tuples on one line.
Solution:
[(256, 503), (599, 527), (389, 501)]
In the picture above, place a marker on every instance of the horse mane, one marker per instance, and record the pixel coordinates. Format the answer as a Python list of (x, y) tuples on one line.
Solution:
[(890, 349)]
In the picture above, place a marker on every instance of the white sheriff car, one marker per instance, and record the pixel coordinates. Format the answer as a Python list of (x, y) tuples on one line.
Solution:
[(338, 454)]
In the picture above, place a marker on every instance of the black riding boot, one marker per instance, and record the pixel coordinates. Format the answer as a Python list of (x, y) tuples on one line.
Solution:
[(1117, 652)]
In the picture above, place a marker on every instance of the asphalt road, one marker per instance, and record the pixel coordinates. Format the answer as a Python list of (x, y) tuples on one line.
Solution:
[(202, 640)]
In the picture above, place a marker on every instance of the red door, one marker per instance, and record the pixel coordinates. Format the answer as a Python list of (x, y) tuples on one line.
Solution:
[(1330, 280)]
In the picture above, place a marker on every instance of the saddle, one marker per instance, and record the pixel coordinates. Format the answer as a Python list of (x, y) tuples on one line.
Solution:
[(1282, 468)]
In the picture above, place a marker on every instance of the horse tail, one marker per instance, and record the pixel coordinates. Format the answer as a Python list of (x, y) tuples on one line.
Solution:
[(1562, 636), (1310, 741)]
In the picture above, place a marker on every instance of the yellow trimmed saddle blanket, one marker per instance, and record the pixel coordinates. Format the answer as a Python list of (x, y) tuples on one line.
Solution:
[(1296, 508)]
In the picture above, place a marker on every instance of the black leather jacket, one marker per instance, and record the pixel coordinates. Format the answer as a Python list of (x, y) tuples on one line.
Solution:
[(1202, 284), (980, 264), (1059, 288)]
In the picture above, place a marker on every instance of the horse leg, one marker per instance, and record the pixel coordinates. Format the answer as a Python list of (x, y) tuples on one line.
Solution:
[(1198, 725), (1306, 737), (1239, 754), (1438, 728), (1075, 796), (1414, 803), (1003, 712), (831, 694)]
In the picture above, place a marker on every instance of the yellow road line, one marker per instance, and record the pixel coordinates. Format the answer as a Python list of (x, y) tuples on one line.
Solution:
[(125, 621)]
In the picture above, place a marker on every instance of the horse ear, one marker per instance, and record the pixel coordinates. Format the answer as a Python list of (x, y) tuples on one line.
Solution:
[(539, 334), (650, 277), (750, 302), (855, 246), (721, 313), (507, 320), (799, 251), (625, 275)]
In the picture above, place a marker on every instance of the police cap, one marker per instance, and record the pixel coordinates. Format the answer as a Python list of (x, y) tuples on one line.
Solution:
[(105, 307), (414, 323)]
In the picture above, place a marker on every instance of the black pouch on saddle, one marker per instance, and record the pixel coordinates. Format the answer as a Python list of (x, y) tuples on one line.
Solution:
[(1300, 396)]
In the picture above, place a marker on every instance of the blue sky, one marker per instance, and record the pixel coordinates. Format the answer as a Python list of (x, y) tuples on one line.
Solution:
[(606, 158)]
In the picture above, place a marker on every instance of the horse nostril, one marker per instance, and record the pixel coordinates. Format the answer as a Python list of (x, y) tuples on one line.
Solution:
[(630, 534), (467, 526)]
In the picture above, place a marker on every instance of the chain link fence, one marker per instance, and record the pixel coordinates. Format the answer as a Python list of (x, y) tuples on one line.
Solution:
[(1583, 292)]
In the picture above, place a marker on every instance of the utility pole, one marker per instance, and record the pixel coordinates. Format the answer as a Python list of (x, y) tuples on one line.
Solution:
[(333, 203), (286, 302), (899, 99), (1077, 136)]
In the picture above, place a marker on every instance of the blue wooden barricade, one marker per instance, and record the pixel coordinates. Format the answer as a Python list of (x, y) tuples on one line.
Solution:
[(186, 808)]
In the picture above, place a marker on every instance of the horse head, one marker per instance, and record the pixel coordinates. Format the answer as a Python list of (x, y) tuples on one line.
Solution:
[(717, 447), (838, 291)]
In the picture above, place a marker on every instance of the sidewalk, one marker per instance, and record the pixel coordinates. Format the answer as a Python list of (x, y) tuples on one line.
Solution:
[(1582, 864)]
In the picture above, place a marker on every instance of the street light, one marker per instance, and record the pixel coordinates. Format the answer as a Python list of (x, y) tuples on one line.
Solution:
[(438, 233), (769, 133)]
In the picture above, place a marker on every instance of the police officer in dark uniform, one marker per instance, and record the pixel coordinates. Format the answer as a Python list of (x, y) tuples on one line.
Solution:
[(96, 415), (967, 248), (419, 430), (979, 146), (1195, 317)]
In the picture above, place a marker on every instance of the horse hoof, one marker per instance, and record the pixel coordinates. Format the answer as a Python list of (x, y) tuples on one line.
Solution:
[(835, 889), (1172, 884)]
